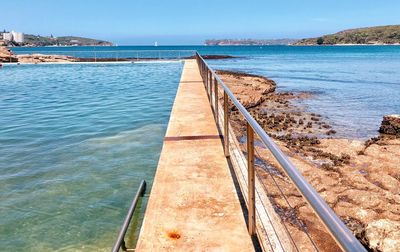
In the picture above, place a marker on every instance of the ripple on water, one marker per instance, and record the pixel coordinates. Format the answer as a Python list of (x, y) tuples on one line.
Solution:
[(75, 142)]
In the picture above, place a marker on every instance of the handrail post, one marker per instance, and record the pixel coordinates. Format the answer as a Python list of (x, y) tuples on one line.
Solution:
[(334, 225), (210, 85), (216, 99), (208, 82), (226, 125), (206, 75), (211, 94), (251, 181)]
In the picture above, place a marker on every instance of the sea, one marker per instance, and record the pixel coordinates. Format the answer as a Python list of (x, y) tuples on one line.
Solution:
[(77, 139)]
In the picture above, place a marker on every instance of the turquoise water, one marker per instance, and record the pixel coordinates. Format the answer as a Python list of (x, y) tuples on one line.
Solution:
[(353, 86), (75, 141)]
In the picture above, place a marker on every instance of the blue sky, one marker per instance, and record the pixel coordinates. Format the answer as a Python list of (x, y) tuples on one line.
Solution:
[(191, 22)]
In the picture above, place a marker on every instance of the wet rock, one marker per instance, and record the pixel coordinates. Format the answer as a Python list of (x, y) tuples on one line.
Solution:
[(331, 132), (390, 125)]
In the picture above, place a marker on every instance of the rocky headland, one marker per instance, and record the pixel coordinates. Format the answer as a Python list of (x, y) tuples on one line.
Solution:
[(377, 35), (359, 179)]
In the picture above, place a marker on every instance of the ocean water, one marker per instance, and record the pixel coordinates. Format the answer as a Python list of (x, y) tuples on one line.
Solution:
[(353, 86), (75, 142)]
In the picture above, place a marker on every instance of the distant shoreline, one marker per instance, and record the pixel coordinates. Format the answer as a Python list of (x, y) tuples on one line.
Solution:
[(350, 45), (63, 46), (13, 47)]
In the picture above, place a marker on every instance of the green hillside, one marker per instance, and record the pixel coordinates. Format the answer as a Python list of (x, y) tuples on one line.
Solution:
[(37, 40), (389, 34)]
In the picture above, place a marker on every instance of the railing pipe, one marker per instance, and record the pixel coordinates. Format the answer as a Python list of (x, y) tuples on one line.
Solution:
[(339, 231), (120, 240)]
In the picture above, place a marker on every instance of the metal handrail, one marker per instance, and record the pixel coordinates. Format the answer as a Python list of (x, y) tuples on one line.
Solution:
[(120, 240), (118, 55), (337, 229), (101, 51)]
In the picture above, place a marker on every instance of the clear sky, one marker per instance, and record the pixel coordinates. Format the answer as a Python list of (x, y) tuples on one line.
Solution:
[(132, 22)]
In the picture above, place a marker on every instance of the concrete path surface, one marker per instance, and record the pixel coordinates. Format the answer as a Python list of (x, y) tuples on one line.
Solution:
[(193, 204)]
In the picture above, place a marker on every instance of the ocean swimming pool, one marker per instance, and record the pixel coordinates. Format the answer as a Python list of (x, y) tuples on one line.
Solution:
[(353, 87), (75, 142)]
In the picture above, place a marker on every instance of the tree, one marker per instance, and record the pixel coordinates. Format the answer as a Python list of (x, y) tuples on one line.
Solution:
[(320, 40)]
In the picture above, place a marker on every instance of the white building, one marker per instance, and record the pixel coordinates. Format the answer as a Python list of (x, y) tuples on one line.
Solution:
[(17, 37), (7, 36)]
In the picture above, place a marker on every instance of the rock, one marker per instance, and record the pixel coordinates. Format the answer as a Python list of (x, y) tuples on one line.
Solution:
[(390, 125), (5, 54), (250, 89), (361, 189), (383, 235), (38, 58)]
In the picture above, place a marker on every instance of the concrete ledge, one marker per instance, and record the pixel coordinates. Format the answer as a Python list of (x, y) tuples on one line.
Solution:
[(193, 204)]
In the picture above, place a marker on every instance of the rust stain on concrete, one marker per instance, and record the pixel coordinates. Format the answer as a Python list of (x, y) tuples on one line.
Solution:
[(174, 235), (193, 192)]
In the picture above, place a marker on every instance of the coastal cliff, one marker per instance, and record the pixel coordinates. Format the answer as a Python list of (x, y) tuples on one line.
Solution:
[(360, 180), (378, 35)]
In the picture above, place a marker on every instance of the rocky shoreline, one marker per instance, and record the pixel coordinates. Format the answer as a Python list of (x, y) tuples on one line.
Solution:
[(360, 180), (7, 56)]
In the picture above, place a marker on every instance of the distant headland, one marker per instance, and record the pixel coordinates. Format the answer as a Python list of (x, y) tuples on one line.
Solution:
[(213, 42), (20, 39), (378, 35)]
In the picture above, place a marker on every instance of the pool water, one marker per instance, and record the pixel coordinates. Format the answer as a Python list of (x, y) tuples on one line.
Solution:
[(75, 142), (353, 87)]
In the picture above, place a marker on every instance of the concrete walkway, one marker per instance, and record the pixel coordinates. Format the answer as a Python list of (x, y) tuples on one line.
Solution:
[(193, 204)]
